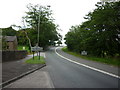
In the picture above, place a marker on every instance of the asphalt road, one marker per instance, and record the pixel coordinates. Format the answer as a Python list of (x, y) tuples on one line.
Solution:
[(65, 74)]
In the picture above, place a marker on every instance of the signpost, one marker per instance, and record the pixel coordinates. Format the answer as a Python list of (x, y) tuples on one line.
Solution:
[(36, 49), (84, 53)]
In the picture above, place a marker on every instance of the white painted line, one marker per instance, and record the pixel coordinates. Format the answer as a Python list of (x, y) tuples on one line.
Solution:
[(95, 69)]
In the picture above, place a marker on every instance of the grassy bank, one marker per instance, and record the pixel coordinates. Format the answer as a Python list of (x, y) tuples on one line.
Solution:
[(20, 47), (111, 61), (36, 60)]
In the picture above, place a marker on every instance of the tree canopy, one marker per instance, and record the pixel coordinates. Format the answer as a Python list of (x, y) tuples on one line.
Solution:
[(8, 31), (40, 18), (99, 35)]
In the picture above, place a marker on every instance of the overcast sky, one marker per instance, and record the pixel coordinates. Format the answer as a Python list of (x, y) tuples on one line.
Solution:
[(65, 12)]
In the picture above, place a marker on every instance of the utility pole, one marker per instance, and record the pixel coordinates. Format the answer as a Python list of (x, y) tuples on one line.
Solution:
[(39, 24), (38, 31)]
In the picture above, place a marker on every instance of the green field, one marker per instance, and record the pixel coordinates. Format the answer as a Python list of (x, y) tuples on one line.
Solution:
[(36, 60), (111, 61)]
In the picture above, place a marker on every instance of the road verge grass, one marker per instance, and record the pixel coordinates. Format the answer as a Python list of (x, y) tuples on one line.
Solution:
[(110, 61), (36, 60), (20, 47)]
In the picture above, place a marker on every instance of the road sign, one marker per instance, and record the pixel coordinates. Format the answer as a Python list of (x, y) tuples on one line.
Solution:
[(36, 48), (84, 53)]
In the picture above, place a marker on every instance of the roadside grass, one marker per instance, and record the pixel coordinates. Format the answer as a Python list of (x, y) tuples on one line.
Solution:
[(110, 61), (36, 60), (20, 47)]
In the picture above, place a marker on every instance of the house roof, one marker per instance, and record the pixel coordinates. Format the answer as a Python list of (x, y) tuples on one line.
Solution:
[(10, 38)]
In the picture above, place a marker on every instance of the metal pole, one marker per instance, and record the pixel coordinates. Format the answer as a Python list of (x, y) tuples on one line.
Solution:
[(39, 29), (33, 55), (39, 25), (39, 55)]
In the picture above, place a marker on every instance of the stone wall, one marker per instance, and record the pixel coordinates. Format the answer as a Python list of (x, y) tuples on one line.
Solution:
[(13, 55)]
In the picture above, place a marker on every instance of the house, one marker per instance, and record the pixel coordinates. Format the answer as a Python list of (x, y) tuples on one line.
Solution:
[(11, 42)]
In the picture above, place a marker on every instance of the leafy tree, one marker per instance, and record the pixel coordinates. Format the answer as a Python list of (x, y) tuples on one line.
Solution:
[(4, 44), (99, 35), (8, 31), (104, 24), (21, 37), (39, 18)]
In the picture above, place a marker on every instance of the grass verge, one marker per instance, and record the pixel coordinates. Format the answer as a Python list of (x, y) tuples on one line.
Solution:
[(20, 47), (110, 61), (36, 60)]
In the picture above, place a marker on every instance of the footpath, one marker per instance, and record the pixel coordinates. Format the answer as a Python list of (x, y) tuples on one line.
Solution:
[(33, 76)]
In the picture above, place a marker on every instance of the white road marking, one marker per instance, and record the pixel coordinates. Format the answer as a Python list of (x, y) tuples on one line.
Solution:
[(95, 69)]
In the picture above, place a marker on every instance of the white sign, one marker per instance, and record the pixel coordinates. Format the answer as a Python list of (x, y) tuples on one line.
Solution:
[(36, 48), (84, 53), (23, 48)]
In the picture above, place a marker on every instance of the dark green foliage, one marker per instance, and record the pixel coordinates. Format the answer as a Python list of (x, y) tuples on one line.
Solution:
[(99, 35), (8, 31), (21, 37), (4, 44)]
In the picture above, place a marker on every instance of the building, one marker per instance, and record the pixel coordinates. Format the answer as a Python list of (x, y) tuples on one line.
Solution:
[(11, 42)]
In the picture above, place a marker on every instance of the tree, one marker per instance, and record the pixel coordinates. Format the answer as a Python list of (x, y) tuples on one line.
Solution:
[(21, 38), (105, 27), (47, 28), (8, 31), (99, 35), (4, 44)]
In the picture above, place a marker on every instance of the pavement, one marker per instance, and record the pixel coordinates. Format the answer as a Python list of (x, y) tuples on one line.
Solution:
[(15, 70), (38, 79)]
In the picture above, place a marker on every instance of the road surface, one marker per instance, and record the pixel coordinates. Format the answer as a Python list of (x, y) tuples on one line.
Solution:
[(66, 74)]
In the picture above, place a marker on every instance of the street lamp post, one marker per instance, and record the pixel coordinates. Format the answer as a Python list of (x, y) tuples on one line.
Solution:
[(39, 28), (39, 24), (38, 32)]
